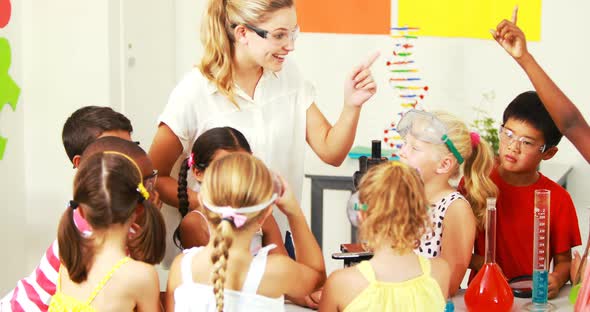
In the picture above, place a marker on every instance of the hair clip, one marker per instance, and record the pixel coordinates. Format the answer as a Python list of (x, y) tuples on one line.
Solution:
[(360, 207), (72, 204), (475, 139), (231, 215), (237, 216), (191, 160), (143, 191)]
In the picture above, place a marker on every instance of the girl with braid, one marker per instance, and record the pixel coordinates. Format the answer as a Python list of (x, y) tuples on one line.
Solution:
[(237, 194), (194, 229)]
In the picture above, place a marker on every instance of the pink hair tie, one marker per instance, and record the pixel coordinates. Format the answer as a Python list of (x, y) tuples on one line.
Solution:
[(230, 214), (191, 160), (475, 139)]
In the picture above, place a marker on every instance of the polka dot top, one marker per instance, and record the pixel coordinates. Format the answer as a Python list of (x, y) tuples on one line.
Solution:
[(431, 242)]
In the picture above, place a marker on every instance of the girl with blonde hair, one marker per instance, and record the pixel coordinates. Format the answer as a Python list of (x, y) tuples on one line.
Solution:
[(441, 147), (237, 195), (394, 215)]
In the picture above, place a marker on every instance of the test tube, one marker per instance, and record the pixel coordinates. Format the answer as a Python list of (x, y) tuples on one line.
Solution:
[(541, 252)]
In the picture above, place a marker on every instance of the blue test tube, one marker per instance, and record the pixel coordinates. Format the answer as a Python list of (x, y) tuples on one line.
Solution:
[(541, 253)]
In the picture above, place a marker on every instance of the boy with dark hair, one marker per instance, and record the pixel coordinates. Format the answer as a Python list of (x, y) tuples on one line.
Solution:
[(528, 135), (89, 123), (566, 115)]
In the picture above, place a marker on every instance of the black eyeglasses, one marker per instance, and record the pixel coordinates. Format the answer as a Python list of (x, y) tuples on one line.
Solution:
[(150, 181), (278, 37)]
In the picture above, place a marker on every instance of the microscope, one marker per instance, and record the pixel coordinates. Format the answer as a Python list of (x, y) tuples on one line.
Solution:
[(354, 252)]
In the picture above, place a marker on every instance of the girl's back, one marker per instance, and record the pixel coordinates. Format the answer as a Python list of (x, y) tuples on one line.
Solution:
[(244, 279), (411, 287), (119, 286)]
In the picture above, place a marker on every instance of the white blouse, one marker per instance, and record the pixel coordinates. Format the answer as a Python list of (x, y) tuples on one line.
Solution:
[(273, 122)]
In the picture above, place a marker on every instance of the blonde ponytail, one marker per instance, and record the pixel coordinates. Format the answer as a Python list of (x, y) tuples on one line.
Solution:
[(219, 257), (478, 164), (478, 185), (216, 36)]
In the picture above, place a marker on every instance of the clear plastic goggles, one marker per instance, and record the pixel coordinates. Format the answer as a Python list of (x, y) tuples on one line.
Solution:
[(426, 127)]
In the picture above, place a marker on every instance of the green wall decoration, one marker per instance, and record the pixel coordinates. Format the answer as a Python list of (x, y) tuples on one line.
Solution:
[(9, 90)]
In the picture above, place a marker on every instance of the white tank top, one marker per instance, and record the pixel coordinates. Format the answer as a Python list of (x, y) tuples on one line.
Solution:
[(191, 296)]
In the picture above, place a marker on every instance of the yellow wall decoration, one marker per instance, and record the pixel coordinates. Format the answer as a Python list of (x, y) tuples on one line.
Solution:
[(468, 18)]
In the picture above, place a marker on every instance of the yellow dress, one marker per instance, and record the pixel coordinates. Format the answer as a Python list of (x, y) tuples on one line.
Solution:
[(61, 302), (421, 293)]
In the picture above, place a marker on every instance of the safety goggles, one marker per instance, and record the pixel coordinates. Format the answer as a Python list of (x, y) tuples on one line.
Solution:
[(150, 181), (426, 127), (278, 36)]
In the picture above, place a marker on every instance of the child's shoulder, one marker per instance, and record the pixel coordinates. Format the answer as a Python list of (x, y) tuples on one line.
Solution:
[(278, 265), (347, 276), (552, 185), (140, 273)]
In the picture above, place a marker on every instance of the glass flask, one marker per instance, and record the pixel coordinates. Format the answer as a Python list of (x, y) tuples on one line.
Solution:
[(489, 290)]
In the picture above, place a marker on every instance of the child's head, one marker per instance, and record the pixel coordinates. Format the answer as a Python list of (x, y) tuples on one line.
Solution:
[(89, 123), (131, 149), (237, 194), (395, 209), (212, 144), (528, 134), (440, 144), (108, 189), (236, 24)]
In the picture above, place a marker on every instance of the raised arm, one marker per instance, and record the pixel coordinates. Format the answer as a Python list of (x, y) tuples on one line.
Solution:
[(332, 143), (565, 114), (309, 272)]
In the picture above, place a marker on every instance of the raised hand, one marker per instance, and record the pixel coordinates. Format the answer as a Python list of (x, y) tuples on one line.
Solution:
[(359, 85), (510, 37), (287, 202)]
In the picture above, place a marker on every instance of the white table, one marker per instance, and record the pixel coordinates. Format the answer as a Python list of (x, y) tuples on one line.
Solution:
[(561, 302)]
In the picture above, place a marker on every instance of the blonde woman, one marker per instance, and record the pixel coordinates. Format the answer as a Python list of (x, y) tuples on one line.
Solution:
[(247, 81), (237, 195)]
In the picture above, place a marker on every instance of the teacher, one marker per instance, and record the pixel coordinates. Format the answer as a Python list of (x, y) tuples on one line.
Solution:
[(246, 81)]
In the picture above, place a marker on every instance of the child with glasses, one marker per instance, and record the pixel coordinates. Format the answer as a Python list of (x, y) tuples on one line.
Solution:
[(440, 146), (96, 273), (237, 195), (528, 136), (393, 216), (566, 115)]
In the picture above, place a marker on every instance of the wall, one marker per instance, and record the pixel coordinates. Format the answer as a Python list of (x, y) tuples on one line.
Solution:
[(458, 72), (12, 180), (63, 51)]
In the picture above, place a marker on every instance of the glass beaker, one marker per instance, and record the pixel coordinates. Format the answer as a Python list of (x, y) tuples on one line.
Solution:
[(489, 290)]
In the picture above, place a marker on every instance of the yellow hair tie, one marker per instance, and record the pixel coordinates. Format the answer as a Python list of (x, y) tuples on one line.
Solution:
[(140, 187), (143, 191), (396, 163)]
